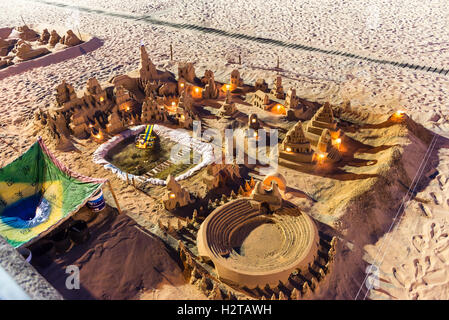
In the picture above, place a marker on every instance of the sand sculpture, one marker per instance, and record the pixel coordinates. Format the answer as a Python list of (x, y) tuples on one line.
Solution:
[(152, 112), (130, 101), (24, 44), (70, 39), (278, 89), (177, 196), (317, 143), (261, 85), (210, 90), (218, 174), (45, 37), (236, 81), (228, 108), (147, 70), (54, 38), (261, 100), (269, 199), (186, 71), (323, 119), (24, 51), (291, 100), (295, 146), (25, 33), (257, 263)]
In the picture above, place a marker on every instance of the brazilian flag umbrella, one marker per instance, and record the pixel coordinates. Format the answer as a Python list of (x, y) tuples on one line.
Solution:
[(37, 192)]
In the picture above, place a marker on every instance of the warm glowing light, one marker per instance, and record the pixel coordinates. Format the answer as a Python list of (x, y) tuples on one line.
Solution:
[(321, 157), (228, 87), (253, 121), (101, 99), (98, 136), (173, 103), (338, 140), (288, 149), (197, 89), (255, 134), (181, 85), (279, 109), (172, 195), (182, 117)]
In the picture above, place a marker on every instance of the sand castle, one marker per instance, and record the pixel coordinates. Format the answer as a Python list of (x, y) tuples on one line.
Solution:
[(235, 80), (177, 196), (296, 147)]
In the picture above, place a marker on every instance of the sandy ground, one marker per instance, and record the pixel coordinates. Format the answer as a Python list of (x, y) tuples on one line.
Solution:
[(413, 257)]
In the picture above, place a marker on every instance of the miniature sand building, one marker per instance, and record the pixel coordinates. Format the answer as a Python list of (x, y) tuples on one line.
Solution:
[(210, 90), (261, 85), (296, 147), (186, 71), (115, 122), (151, 111), (228, 108), (236, 81), (278, 89), (177, 196), (320, 130), (323, 119), (261, 100), (253, 122)]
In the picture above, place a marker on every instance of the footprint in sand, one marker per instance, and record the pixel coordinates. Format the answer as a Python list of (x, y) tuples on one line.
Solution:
[(428, 267)]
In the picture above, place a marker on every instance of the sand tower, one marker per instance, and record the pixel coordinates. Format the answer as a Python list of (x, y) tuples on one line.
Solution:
[(148, 70), (278, 89)]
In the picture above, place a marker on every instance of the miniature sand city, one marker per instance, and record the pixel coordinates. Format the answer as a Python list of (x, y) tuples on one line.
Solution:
[(362, 177)]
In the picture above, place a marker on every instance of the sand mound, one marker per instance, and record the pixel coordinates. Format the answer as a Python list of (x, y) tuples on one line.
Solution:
[(119, 261)]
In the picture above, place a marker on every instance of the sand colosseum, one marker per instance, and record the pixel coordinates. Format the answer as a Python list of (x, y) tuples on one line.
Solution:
[(251, 248)]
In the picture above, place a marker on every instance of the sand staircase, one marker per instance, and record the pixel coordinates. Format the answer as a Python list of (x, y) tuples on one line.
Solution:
[(165, 164)]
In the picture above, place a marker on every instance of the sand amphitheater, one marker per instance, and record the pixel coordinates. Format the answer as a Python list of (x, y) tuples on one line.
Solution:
[(250, 248)]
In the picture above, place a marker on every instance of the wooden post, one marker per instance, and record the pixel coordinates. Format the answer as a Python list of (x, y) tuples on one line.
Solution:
[(127, 178), (171, 52), (240, 59), (134, 182), (114, 196)]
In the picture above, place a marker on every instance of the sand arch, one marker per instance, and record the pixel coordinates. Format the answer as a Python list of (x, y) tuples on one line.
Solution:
[(253, 249), (278, 178)]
